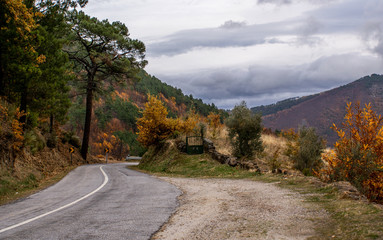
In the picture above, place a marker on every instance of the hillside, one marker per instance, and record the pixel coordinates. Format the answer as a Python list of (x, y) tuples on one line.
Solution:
[(116, 112), (323, 109)]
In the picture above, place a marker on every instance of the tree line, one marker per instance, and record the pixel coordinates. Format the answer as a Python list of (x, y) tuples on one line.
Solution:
[(50, 47)]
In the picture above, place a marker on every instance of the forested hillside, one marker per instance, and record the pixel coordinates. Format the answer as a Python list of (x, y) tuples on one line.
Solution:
[(117, 111), (323, 109), (69, 78), (281, 105)]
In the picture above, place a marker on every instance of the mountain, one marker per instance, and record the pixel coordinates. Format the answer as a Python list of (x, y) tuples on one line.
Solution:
[(323, 109)]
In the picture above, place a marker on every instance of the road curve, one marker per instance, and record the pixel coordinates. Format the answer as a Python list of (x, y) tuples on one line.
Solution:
[(92, 202)]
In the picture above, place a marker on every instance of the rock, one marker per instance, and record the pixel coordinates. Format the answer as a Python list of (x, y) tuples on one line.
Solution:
[(277, 171), (181, 146), (316, 181), (221, 158), (348, 191), (250, 166), (208, 145), (232, 161)]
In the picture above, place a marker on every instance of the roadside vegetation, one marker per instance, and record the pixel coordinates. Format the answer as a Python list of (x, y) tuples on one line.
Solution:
[(297, 158)]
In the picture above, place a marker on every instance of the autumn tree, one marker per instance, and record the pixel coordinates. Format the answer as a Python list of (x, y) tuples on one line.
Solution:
[(154, 126), (103, 51), (358, 154), (244, 131), (214, 121)]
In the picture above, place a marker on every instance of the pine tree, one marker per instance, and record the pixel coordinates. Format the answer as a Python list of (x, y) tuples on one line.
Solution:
[(102, 51)]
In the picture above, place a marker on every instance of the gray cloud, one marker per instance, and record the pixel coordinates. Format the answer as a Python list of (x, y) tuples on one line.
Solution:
[(278, 2), (264, 85), (373, 37), (285, 2), (343, 17), (307, 31), (230, 34), (233, 24)]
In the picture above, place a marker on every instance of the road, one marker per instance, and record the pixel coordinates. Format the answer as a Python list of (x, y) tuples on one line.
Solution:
[(92, 202)]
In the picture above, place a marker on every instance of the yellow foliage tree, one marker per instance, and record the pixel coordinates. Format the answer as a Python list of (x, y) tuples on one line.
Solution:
[(189, 124), (214, 121), (154, 126), (358, 154)]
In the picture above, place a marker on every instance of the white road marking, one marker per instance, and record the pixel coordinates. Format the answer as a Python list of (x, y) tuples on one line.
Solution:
[(106, 179)]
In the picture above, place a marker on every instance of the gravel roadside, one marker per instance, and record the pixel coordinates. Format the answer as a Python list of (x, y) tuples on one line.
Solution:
[(238, 209)]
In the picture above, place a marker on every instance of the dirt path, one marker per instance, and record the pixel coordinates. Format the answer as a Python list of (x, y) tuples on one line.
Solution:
[(238, 209)]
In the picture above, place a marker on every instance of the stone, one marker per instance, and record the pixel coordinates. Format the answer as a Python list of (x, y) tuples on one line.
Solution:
[(348, 191)]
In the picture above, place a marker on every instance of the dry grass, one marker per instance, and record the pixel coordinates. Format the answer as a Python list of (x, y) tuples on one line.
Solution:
[(271, 158), (221, 140), (273, 154)]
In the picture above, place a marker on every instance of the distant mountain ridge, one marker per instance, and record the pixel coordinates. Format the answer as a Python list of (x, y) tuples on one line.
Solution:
[(323, 109)]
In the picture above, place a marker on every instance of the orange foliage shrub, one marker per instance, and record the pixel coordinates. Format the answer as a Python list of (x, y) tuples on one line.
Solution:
[(154, 126), (17, 130), (189, 124), (103, 139), (358, 154), (10, 124)]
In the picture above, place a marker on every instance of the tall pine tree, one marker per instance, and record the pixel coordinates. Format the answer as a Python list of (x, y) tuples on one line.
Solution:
[(103, 52)]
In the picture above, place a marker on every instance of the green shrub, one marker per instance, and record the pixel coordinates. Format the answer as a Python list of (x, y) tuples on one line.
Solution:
[(34, 141), (273, 160), (52, 140), (244, 131), (71, 138), (309, 148)]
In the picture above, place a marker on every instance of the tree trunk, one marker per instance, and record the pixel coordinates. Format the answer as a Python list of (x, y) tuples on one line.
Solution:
[(88, 118), (2, 82), (23, 106), (51, 123)]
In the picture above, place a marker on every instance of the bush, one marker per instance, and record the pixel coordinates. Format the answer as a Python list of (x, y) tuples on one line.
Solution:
[(52, 140), (244, 131), (34, 140), (305, 149), (358, 154), (310, 149), (71, 138)]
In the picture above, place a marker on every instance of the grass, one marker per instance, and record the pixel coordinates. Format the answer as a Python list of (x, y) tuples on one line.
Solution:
[(174, 163), (347, 219)]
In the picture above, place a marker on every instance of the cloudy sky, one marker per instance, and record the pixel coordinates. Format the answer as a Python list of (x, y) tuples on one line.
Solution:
[(260, 51)]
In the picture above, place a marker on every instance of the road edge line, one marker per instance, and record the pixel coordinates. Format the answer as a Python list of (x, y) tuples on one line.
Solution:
[(106, 179)]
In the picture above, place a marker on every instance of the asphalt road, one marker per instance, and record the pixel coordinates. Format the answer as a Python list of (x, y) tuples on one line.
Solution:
[(92, 202)]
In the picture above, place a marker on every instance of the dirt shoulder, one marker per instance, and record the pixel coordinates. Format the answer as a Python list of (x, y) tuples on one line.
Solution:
[(239, 209)]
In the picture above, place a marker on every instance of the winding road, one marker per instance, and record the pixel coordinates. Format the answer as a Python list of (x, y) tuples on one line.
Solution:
[(92, 202)]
